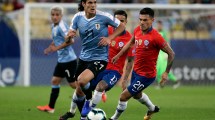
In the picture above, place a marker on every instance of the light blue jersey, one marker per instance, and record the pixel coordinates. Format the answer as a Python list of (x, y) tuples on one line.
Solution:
[(66, 54), (91, 30)]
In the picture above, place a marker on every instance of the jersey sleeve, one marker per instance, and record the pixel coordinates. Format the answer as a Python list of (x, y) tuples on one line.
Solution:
[(160, 42), (114, 22), (73, 25), (64, 28)]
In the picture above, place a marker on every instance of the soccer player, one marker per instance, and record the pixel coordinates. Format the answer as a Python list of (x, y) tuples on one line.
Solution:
[(109, 77), (93, 30), (162, 58), (148, 44), (67, 60)]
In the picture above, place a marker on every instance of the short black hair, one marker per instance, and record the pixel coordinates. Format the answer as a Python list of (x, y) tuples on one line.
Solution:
[(121, 12), (147, 11)]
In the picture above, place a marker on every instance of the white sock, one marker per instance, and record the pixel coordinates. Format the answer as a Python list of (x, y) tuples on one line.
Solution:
[(145, 100), (83, 118), (73, 104), (97, 96), (120, 108)]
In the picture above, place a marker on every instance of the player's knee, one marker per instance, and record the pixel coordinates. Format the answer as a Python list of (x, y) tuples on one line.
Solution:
[(55, 82), (101, 86), (81, 82), (72, 85)]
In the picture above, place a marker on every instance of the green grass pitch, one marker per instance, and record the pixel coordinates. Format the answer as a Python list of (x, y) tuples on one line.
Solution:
[(184, 103)]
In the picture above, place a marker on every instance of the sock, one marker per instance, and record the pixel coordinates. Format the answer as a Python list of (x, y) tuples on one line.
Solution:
[(87, 86), (97, 96), (73, 104), (83, 118), (120, 109), (88, 94), (79, 102), (145, 100), (54, 95)]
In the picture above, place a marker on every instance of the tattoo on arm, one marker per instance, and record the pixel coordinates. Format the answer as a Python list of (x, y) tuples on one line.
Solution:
[(171, 55), (129, 67)]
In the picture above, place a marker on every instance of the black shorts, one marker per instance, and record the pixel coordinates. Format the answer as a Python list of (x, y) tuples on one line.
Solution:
[(67, 70), (95, 67)]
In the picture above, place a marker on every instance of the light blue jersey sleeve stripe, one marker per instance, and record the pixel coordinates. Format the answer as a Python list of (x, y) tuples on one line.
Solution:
[(64, 28)]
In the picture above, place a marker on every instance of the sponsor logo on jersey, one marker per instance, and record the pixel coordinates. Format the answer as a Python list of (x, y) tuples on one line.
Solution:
[(113, 43)]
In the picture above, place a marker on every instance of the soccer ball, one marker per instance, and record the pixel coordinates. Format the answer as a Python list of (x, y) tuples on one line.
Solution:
[(96, 114)]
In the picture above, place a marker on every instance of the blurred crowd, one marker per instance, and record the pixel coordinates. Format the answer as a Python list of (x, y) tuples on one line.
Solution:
[(182, 24), (11, 5)]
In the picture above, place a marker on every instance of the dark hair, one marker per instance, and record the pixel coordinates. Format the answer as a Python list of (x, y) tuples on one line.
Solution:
[(147, 11), (121, 12), (80, 6)]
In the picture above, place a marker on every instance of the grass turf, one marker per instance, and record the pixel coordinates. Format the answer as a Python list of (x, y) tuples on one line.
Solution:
[(184, 103)]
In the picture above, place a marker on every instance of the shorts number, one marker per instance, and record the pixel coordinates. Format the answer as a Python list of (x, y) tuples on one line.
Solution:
[(138, 86), (98, 63), (67, 71), (113, 80)]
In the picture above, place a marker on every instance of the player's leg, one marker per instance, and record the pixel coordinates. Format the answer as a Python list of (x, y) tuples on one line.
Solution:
[(173, 78), (53, 96), (109, 79), (56, 79), (76, 100), (159, 68), (144, 99), (94, 68), (122, 104), (141, 84), (70, 70)]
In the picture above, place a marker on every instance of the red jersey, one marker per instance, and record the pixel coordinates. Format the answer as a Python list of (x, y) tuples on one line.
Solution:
[(114, 48), (147, 49)]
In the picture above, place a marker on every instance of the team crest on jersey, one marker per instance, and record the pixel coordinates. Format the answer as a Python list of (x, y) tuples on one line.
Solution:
[(146, 42), (121, 44), (113, 43), (97, 26)]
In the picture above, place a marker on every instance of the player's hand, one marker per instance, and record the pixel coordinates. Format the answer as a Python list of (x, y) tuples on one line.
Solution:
[(104, 41), (50, 49), (114, 59), (47, 51), (163, 78), (71, 33)]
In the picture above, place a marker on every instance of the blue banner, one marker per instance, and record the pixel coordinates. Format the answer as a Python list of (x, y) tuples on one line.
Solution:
[(9, 53)]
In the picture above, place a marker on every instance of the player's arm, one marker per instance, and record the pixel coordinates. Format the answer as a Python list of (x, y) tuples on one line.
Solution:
[(63, 45), (70, 35), (171, 55), (117, 31), (128, 69), (124, 49), (53, 48), (106, 40), (48, 49)]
